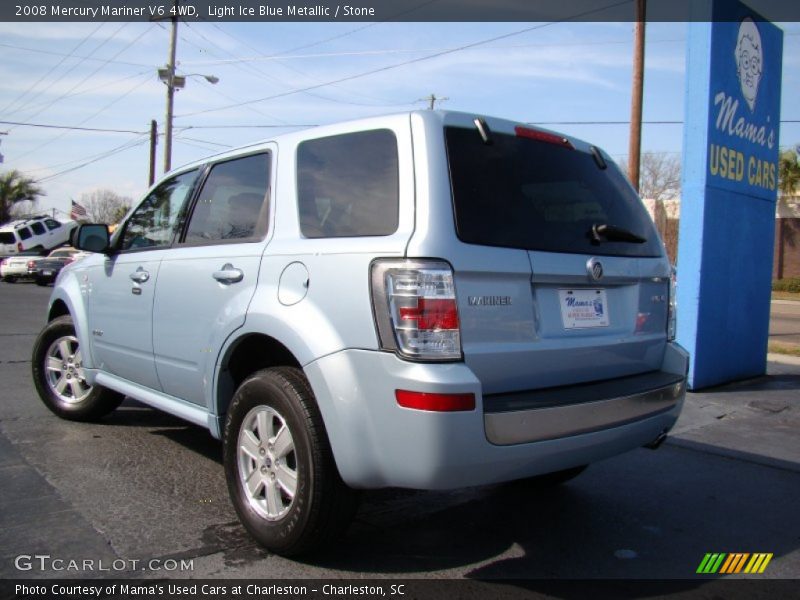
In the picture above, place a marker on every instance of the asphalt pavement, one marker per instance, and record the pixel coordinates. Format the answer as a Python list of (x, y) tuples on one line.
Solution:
[(144, 486)]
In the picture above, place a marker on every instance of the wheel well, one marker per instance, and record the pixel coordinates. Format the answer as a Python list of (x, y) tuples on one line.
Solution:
[(248, 355), (59, 309)]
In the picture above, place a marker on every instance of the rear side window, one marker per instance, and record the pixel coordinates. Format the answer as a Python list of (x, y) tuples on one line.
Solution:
[(8, 237), (38, 228), (347, 185), (24, 233), (232, 204), (524, 193)]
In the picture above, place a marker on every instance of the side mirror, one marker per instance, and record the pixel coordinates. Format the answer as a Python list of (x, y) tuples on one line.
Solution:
[(92, 238)]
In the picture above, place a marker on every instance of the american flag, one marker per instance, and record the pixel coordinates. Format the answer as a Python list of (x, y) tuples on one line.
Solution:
[(78, 212)]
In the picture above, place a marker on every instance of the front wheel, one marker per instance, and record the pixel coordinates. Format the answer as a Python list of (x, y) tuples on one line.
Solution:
[(279, 467), (58, 375)]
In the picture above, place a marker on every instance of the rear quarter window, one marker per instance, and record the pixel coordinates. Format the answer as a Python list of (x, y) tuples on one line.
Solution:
[(347, 185)]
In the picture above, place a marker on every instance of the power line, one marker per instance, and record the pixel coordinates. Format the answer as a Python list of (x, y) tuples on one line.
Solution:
[(50, 52), (219, 92), (133, 88), (48, 126), (309, 77), (92, 74), (102, 85), (330, 39), (83, 158), (8, 106), (404, 63), (127, 146), (246, 126), (346, 53)]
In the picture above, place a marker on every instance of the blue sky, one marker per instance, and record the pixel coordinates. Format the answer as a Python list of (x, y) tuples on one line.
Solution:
[(104, 76)]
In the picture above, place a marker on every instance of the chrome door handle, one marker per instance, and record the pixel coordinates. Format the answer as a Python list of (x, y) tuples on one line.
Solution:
[(228, 274), (140, 275)]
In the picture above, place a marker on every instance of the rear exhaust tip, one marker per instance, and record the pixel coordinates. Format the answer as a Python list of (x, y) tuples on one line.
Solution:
[(656, 443)]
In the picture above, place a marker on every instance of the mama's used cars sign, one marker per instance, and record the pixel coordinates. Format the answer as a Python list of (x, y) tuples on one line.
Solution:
[(745, 101), (729, 189)]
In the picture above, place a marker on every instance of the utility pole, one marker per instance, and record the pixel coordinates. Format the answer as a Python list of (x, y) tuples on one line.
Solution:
[(153, 143), (170, 81), (637, 85), (432, 100)]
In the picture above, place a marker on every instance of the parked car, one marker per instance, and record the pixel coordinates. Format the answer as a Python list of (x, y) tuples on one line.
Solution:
[(36, 233), (45, 270), (428, 300), (19, 266)]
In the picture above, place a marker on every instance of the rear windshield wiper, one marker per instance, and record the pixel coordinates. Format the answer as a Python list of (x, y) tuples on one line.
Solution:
[(610, 233)]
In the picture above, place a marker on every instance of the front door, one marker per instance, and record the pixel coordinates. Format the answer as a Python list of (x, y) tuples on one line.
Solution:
[(123, 285)]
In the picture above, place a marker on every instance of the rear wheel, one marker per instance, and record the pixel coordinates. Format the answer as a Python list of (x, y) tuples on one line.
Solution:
[(279, 467), (10, 279), (58, 375), (42, 282)]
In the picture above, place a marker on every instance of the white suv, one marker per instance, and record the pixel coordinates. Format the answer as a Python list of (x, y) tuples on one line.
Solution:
[(36, 233)]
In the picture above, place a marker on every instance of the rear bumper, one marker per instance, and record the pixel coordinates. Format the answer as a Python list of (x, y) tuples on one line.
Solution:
[(377, 443), (553, 414)]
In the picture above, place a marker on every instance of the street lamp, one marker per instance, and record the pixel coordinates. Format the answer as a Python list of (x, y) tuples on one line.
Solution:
[(174, 82)]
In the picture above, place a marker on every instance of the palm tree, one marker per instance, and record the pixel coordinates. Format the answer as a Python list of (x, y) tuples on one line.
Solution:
[(16, 187), (788, 183)]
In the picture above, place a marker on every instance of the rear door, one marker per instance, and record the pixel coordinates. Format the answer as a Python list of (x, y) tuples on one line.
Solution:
[(565, 280), (206, 282)]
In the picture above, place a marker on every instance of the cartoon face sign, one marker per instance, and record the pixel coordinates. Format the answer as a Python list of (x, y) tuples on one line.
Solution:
[(749, 60)]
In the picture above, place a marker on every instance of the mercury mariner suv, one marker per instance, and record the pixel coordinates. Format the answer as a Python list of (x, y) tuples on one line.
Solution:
[(427, 300)]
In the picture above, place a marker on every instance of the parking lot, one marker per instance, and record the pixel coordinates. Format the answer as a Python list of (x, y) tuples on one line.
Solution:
[(143, 486)]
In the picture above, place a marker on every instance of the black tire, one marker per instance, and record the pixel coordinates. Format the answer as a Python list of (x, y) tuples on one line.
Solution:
[(10, 279), (41, 282), (90, 406), (322, 506)]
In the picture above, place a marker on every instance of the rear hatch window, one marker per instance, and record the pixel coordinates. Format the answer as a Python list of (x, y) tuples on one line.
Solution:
[(518, 192), (7, 237)]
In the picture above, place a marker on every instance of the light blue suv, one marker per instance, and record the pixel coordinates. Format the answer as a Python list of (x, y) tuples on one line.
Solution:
[(427, 300)]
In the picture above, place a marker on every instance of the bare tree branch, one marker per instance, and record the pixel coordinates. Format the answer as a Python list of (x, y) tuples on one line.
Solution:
[(105, 206)]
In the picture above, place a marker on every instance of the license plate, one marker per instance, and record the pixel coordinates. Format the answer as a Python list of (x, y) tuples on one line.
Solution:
[(47, 272), (583, 308)]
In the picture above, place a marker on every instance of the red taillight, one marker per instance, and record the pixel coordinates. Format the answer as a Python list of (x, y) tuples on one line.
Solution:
[(434, 314), (435, 402), (19, 247), (415, 308), (31, 264), (543, 136)]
